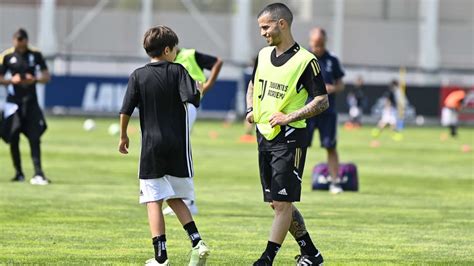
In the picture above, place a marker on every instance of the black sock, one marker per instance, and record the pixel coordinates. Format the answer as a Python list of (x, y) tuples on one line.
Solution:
[(453, 131), (15, 152), (271, 251), (193, 233), (306, 245), (159, 243), (36, 156)]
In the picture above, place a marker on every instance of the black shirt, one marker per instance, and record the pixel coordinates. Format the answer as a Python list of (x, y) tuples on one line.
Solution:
[(390, 95), (205, 61), (160, 90), (332, 71), (359, 95), (314, 84), (21, 63)]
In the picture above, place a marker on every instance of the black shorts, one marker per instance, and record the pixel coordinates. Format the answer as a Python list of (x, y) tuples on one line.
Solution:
[(280, 174), (28, 119), (326, 124)]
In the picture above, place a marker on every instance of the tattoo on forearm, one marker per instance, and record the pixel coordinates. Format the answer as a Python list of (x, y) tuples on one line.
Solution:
[(315, 107), (297, 227)]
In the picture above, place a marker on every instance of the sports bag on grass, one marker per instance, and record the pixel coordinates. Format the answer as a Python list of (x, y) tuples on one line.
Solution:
[(347, 173)]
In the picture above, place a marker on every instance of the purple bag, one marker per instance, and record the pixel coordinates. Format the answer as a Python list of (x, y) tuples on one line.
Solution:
[(347, 172)]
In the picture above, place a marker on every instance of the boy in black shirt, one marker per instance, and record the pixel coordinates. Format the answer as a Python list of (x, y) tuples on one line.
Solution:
[(161, 91)]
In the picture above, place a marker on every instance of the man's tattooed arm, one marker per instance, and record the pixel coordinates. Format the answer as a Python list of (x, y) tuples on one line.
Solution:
[(315, 107), (249, 96)]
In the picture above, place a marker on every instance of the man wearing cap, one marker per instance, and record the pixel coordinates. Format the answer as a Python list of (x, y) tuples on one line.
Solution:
[(19, 67)]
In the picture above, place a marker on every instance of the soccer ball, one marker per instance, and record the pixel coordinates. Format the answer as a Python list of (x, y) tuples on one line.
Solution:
[(89, 125), (114, 129), (419, 120)]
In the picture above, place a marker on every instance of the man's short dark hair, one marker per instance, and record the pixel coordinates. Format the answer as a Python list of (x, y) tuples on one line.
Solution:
[(157, 39), (323, 32), (20, 34), (278, 11)]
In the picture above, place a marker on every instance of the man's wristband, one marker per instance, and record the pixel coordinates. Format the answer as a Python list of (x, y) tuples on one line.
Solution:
[(250, 109)]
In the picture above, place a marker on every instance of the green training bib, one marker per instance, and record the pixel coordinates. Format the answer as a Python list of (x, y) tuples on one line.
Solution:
[(275, 89), (186, 58)]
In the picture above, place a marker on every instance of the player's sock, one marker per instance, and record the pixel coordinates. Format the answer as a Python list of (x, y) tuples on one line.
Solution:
[(15, 153), (36, 156), (453, 131), (159, 243), (307, 246), (193, 233), (271, 251)]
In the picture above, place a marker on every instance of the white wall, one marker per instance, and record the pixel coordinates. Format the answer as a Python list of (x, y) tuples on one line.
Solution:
[(369, 37)]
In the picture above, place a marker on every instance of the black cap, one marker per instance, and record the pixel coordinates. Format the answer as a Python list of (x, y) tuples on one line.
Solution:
[(20, 34)]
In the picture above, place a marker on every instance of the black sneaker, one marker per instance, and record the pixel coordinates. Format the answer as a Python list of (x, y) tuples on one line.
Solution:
[(262, 262), (18, 178), (305, 260)]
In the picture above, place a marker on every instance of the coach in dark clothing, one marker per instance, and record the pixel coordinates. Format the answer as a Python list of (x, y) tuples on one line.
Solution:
[(22, 113), (326, 123)]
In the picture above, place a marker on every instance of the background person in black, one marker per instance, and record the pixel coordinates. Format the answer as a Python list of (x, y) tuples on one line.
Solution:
[(326, 123), (214, 65), (356, 100), (389, 112), (211, 63), (161, 90), (22, 113)]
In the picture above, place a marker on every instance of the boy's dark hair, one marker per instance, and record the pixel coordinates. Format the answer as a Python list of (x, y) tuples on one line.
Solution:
[(20, 34), (157, 39), (278, 11)]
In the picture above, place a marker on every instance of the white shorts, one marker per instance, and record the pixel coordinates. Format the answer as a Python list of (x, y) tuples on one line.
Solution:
[(192, 114), (389, 116), (166, 187), (449, 117)]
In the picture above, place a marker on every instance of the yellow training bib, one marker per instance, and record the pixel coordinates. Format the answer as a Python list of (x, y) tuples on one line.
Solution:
[(275, 89)]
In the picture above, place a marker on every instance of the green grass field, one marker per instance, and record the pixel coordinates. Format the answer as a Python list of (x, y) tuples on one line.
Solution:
[(415, 205)]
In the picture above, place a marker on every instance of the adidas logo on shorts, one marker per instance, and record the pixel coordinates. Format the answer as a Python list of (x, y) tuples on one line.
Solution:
[(283, 192)]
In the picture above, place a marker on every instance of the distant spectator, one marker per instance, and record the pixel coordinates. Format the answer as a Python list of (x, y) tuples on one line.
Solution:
[(389, 110), (355, 100), (451, 107)]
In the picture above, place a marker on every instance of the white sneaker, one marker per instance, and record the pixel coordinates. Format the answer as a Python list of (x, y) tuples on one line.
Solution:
[(153, 262), (191, 206), (39, 180), (199, 254), (335, 188)]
